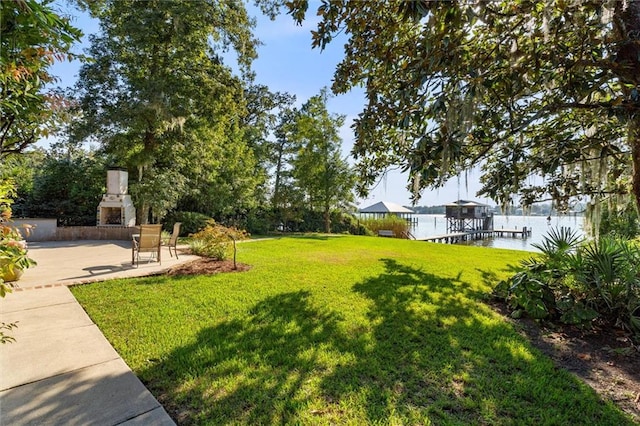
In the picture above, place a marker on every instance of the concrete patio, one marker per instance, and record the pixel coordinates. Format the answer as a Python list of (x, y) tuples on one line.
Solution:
[(79, 262), (61, 370)]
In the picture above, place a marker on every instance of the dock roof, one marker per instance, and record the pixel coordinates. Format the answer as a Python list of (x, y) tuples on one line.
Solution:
[(386, 207), (465, 203)]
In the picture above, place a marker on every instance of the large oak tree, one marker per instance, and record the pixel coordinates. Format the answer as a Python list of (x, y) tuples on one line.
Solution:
[(161, 99), (543, 94)]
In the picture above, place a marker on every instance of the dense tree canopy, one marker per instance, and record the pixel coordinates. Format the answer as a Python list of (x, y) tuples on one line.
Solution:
[(32, 37), (318, 169), (309, 173), (159, 97), (543, 94), (66, 186), (286, 199)]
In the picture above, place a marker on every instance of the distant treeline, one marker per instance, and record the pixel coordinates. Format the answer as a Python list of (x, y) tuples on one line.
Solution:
[(428, 209), (541, 209)]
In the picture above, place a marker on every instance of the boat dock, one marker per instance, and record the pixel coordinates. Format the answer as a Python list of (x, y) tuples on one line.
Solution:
[(456, 237), (523, 233), (447, 238)]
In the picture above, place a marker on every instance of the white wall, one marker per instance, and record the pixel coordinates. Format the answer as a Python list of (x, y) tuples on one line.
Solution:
[(42, 229)]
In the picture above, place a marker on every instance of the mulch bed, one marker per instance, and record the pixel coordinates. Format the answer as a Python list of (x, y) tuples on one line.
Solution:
[(605, 359), (204, 266)]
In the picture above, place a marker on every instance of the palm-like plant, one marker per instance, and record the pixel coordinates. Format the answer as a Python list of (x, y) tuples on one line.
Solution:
[(559, 243), (575, 282), (611, 277)]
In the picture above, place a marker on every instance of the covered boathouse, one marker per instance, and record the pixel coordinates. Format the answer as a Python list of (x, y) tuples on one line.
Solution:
[(384, 208), (465, 215)]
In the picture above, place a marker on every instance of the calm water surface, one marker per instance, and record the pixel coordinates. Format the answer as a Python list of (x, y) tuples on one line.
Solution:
[(436, 224)]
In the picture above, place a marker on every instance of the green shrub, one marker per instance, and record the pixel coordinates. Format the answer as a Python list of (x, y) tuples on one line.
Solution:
[(216, 241), (192, 222), (307, 220), (620, 220), (398, 225), (610, 273), (165, 236), (344, 223), (576, 282), (259, 221), (215, 251)]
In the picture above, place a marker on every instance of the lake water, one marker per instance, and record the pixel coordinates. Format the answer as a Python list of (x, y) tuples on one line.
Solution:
[(436, 224)]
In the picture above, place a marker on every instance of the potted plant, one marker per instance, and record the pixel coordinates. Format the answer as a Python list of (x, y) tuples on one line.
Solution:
[(13, 247), (13, 257)]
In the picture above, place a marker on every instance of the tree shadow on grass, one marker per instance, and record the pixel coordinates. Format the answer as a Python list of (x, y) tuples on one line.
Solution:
[(442, 356), (424, 351), (248, 371)]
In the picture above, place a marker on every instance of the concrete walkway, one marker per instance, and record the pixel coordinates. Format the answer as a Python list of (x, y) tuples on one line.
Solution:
[(61, 370)]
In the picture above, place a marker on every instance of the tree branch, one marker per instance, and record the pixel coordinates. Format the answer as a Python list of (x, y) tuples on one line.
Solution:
[(597, 105)]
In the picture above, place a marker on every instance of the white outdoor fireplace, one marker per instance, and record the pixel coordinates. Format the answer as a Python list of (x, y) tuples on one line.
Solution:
[(116, 207)]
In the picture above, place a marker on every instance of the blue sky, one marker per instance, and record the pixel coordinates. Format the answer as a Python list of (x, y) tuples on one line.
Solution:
[(287, 63)]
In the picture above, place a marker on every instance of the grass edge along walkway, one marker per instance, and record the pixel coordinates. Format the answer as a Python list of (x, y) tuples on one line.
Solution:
[(346, 330)]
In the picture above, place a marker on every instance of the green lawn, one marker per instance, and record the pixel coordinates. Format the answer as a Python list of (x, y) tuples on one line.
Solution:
[(339, 330)]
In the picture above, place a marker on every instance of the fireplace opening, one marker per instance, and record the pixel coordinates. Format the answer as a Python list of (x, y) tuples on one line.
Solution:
[(111, 215)]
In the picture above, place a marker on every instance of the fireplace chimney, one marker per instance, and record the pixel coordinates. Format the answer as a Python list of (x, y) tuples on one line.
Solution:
[(116, 207)]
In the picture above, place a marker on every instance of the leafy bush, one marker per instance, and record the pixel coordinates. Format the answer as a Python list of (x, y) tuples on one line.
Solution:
[(343, 223), (620, 220), (13, 250), (307, 220), (398, 225), (576, 282), (216, 241), (192, 222), (68, 189), (165, 236), (258, 221)]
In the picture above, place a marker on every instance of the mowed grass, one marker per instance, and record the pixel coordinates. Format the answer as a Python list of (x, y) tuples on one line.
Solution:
[(339, 330)]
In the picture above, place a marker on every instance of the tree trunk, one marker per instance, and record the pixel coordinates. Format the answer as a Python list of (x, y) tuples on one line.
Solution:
[(235, 251), (327, 220), (634, 143), (627, 24), (142, 214)]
